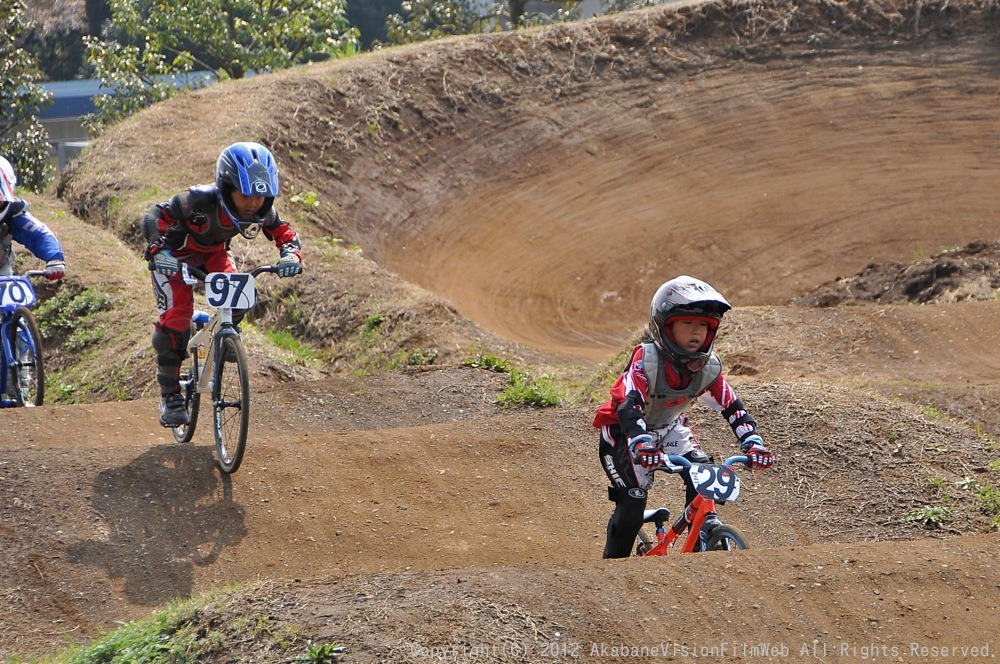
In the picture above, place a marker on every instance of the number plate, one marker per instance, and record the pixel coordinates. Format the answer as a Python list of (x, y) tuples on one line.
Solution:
[(716, 482), (16, 292), (230, 290)]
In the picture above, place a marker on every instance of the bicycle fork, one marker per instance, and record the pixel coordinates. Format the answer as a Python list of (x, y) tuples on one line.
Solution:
[(692, 519)]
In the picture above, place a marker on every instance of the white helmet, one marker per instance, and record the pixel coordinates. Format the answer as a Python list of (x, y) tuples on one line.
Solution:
[(8, 180), (691, 298)]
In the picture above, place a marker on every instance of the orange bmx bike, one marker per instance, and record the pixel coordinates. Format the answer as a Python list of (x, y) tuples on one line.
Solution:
[(716, 485)]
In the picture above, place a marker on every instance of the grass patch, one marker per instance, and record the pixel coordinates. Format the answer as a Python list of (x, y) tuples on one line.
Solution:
[(287, 341), (527, 391), (930, 517), (192, 630), (67, 312), (490, 362)]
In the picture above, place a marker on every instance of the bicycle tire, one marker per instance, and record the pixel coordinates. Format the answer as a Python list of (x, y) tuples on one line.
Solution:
[(192, 399), (726, 538), (27, 368), (231, 403)]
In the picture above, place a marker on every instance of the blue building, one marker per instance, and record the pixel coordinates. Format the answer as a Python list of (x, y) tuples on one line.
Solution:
[(73, 100), (63, 118)]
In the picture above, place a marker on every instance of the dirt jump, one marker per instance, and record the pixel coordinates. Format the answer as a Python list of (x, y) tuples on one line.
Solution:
[(830, 167)]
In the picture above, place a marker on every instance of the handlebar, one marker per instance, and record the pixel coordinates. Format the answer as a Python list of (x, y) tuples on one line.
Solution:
[(198, 273), (678, 460), (33, 273)]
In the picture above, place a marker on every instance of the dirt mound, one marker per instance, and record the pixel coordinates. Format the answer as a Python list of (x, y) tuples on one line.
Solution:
[(967, 273), (522, 195)]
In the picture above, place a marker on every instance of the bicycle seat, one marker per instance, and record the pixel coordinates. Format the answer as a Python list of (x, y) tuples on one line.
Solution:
[(657, 516)]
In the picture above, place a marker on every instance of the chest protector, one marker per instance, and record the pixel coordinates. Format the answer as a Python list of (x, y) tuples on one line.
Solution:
[(199, 211), (666, 404)]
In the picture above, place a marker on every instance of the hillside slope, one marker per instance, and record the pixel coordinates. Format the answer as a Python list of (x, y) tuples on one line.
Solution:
[(522, 195)]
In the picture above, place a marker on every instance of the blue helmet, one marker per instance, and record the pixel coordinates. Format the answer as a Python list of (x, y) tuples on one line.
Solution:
[(251, 169)]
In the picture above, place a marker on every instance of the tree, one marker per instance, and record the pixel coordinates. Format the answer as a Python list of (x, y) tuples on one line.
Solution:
[(152, 42), (23, 139), (369, 17), (422, 20)]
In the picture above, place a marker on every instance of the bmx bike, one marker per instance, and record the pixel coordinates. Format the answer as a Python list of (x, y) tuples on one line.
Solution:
[(217, 365), (22, 373), (716, 484)]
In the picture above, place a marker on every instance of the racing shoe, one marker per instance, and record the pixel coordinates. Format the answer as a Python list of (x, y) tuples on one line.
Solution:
[(173, 411)]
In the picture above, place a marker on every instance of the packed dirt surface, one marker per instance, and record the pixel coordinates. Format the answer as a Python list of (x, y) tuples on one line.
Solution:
[(830, 167)]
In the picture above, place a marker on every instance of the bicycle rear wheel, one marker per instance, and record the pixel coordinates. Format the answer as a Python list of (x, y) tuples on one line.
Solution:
[(192, 399), (643, 542), (231, 403), (726, 538), (27, 371)]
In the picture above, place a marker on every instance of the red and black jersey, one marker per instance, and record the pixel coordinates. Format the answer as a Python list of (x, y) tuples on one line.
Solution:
[(195, 221), (656, 406)]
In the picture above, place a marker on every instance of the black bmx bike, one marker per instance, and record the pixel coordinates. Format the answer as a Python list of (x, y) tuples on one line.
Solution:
[(217, 365)]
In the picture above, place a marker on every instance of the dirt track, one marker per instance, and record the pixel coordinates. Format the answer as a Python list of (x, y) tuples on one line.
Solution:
[(400, 512)]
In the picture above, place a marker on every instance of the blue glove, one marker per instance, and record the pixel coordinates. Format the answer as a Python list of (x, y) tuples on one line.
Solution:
[(289, 265), (760, 456), (645, 452), (164, 263)]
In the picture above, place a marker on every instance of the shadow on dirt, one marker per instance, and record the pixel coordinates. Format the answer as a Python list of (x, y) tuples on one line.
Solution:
[(169, 510)]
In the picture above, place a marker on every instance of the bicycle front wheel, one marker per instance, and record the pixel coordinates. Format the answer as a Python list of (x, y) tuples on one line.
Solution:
[(231, 403), (27, 371), (726, 538)]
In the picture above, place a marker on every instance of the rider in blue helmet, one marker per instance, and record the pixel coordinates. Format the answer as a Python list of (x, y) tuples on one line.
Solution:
[(196, 227), (250, 169)]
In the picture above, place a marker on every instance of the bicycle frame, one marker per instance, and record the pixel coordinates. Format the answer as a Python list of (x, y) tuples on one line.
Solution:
[(693, 516), (206, 343)]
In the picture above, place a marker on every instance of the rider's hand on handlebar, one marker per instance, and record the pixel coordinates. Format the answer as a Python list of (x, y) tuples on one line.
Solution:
[(289, 265), (645, 452), (164, 263), (760, 456), (55, 269)]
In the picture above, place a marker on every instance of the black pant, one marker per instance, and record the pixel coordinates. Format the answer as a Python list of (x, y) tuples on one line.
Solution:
[(628, 494)]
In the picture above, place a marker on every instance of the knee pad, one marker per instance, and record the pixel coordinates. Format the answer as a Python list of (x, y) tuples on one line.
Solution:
[(698, 456), (170, 345)]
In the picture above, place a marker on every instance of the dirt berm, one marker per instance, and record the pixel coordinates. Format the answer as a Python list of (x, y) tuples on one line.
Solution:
[(830, 166)]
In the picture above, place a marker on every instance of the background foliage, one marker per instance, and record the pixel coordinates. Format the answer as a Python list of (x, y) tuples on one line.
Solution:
[(23, 140), (150, 45)]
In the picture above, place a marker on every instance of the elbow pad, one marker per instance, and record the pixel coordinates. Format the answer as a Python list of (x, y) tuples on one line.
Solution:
[(739, 419), (630, 414)]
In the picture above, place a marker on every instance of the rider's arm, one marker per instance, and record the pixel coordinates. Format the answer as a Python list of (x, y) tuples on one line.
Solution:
[(165, 224), (631, 393), (36, 236), (720, 397), (281, 234)]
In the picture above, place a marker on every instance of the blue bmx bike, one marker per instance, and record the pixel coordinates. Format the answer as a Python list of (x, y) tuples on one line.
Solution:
[(22, 376)]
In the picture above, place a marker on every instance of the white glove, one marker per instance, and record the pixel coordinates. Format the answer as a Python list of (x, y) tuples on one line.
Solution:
[(55, 269), (289, 265), (164, 263)]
